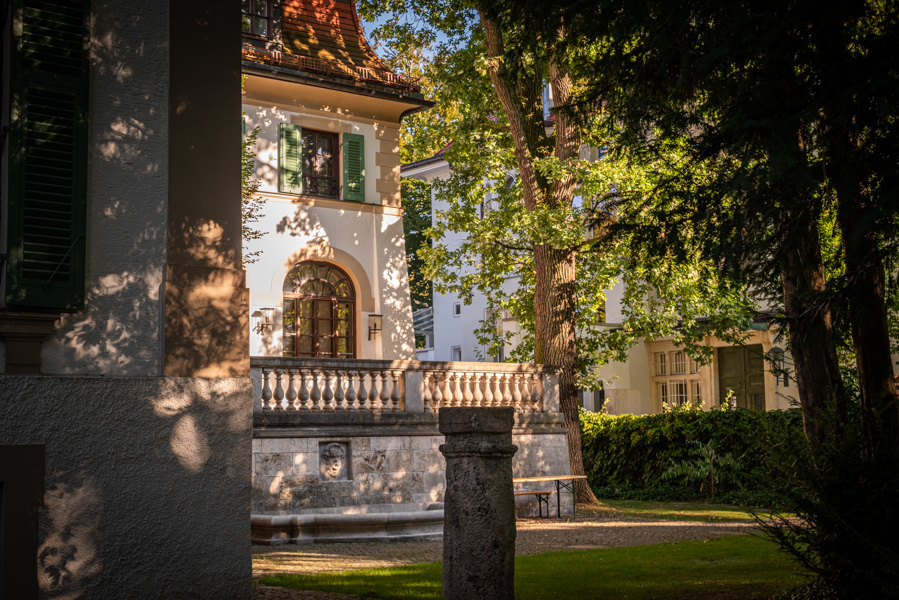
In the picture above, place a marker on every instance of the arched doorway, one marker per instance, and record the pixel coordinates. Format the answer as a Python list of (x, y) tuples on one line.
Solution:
[(319, 312)]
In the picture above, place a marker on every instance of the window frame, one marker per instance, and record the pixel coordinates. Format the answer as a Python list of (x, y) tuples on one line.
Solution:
[(335, 301), (677, 362), (678, 392), (253, 17), (660, 364), (336, 165)]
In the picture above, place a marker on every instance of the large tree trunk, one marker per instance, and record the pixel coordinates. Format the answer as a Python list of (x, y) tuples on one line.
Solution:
[(568, 145), (810, 329), (868, 317), (555, 295), (865, 281)]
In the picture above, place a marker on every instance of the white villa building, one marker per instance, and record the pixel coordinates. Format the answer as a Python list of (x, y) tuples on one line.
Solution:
[(330, 280), (656, 372)]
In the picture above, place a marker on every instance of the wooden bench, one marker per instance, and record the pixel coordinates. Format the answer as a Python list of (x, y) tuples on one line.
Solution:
[(563, 482), (542, 499)]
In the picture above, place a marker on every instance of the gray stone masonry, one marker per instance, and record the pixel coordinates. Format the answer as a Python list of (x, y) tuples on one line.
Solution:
[(394, 459), (479, 509)]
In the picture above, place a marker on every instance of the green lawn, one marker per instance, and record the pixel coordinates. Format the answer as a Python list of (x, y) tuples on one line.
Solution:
[(679, 511), (729, 568)]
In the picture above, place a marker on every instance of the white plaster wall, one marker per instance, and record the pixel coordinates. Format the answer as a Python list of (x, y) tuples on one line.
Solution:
[(269, 119), (295, 230), (118, 331), (147, 487)]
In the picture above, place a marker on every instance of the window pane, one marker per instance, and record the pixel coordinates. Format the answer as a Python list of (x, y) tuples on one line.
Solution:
[(325, 158), (306, 345), (245, 24), (660, 364), (289, 345), (259, 28), (261, 7), (289, 315)]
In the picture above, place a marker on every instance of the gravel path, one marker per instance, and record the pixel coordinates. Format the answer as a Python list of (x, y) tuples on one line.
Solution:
[(535, 536)]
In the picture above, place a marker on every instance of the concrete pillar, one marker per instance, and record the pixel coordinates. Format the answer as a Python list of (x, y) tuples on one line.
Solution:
[(479, 508), (205, 298)]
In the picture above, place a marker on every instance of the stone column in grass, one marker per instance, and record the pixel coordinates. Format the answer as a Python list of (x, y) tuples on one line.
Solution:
[(479, 508)]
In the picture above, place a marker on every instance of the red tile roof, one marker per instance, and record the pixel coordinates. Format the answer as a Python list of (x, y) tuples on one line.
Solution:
[(325, 37)]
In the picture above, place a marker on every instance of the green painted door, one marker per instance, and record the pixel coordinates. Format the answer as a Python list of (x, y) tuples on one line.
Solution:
[(742, 370)]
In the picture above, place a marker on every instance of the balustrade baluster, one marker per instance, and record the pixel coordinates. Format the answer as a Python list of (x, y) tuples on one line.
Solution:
[(266, 390), (488, 391), (438, 394), (516, 391), (497, 392), (316, 394), (458, 398), (363, 394), (338, 392), (467, 396), (448, 390), (426, 395), (507, 392), (303, 395), (279, 391), (385, 392), (373, 391), (327, 392), (525, 392), (395, 394), (291, 394), (351, 389), (478, 394), (536, 393)]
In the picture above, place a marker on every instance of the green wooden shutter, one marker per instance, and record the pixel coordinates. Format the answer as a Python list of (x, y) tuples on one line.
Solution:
[(290, 165), (353, 167), (48, 94)]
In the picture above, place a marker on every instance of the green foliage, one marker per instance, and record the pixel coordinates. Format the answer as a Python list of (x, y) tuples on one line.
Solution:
[(416, 221), (842, 511), (628, 456), (443, 45), (706, 466), (250, 205)]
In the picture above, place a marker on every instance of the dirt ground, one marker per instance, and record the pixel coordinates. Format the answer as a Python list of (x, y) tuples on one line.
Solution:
[(535, 536)]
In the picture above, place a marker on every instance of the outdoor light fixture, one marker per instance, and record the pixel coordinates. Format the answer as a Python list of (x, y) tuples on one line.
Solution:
[(265, 319), (374, 325)]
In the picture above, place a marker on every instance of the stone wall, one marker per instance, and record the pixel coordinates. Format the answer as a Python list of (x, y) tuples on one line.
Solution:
[(393, 459), (147, 494)]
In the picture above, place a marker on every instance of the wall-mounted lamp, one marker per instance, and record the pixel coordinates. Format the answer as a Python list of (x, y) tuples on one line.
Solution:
[(374, 325), (265, 319)]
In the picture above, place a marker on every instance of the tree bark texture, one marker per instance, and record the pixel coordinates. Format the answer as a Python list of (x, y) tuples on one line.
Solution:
[(868, 316), (810, 328), (555, 294)]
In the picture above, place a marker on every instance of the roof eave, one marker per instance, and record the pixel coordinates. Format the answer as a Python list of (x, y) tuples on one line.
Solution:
[(274, 72)]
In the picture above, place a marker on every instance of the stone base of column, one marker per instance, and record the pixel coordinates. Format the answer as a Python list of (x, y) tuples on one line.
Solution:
[(479, 507)]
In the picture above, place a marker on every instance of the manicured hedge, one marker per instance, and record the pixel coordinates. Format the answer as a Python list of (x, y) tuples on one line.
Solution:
[(626, 455)]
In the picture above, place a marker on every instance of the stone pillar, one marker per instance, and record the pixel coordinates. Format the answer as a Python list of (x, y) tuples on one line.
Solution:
[(479, 509)]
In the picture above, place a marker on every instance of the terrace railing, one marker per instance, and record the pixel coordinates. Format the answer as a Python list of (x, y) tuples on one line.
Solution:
[(298, 385), (287, 60)]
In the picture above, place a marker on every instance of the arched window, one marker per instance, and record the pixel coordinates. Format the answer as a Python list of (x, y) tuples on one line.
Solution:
[(319, 312)]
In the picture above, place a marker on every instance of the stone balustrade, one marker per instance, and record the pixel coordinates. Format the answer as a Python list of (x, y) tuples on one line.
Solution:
[(302, 385)]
